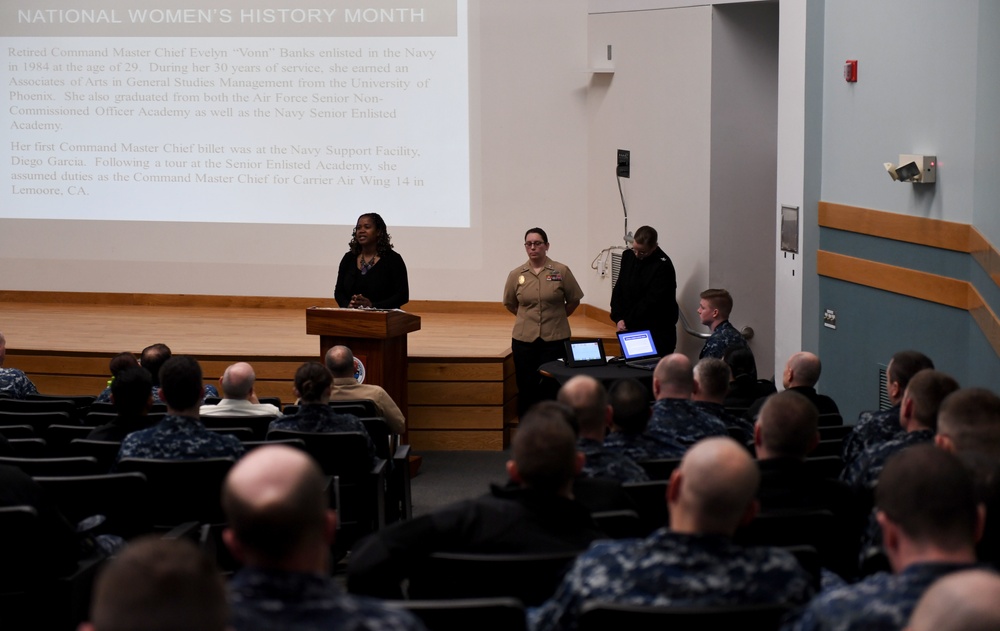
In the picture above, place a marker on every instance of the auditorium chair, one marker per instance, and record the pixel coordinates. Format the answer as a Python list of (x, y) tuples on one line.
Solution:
[(17, 431), (241, 433), (36, 406), (367, 406), (482, 614), (54, 466), (831, 447), (830, 418), (660, 469), (618, 524), (530, 578), (182, 490), (818, 529), (600, 616), (28, 448), (81, 402), (122, 498), (257, 424), (39, 421), (291, 442), (825, 466), (832, 432), (58, 437), (358, 486), (96, 419), (399, 503), (275, 401), (104, 451), (650, 500)]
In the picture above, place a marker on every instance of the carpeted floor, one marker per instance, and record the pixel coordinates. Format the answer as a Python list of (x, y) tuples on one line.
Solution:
[(450, 476)]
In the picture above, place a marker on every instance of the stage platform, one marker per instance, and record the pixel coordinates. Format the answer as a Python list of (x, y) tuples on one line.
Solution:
[(462, 393)]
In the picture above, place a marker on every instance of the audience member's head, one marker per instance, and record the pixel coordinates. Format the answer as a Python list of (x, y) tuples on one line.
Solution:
[(715, 306), (132, 391), (927, 507), (152, 359), (961, 601), (630, 406), (158, 584), (313, 382), (544, 456), (340, 361), (589, 401), (181, 383), (3, 348), (787, 427), (713, 490), (121, 361), (922, 399), (741, 362), (237, 381), (902, 367), (969, 422), (802, 369), (711, 379), (673, 378), (276, 505)]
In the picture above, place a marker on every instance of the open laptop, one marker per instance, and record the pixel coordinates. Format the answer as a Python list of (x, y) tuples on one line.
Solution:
[(585, 353), (639, 350)]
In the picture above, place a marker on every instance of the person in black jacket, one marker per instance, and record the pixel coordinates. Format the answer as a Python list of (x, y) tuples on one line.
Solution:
[(644, 296)]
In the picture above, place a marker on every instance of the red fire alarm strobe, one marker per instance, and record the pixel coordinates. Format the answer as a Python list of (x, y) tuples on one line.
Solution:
[(851, 70)]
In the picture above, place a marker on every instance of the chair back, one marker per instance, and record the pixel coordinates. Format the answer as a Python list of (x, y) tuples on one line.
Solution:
[(54, 466), (39, 421), (598, 616), (830, 418), (182, 490), (40, 405), (482, 614), (828, 447), (830, 432), (660, 469), (365, 407), (650, 500), (122, 498), (28, 448), (257, 424), (378, 431), (824, 466), (17, 431), (58, 437), (618, 524), (104, 451), (530, 578)]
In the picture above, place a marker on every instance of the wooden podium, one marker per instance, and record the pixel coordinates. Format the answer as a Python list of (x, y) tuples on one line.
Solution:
[(377, 338)]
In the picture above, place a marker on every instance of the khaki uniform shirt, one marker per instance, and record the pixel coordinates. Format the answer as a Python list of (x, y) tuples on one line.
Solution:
[(346, 389), (540, 301)]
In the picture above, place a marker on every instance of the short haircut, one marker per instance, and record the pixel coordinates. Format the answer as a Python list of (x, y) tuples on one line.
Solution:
[(788, 423), (544, 447), (713, 376), (240, 387), (675, 371), (181, 381), (741, 361), (589, 401), (311, 380), (719, 299), (275, 530), (153, 358), (158, 584), (121, 361), (630, 405), (720, 481), (905, 364), (131, 390), (807, 368), (927, 389), (545, 237), (646, 235), (340, 360), (930, 495), (970, 417), (960, 601)]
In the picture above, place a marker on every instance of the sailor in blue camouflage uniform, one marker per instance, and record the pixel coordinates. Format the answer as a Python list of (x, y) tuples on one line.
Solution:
[(694, 562), (281, 528), (711, 380), (180, 435), (588, 401), (313, 384), (13, 382), (631, 410), (714, 308), (929, 519), (676, 419), (880, 426)]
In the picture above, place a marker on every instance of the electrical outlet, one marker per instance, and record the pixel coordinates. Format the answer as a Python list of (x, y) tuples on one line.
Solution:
[(624, 158)]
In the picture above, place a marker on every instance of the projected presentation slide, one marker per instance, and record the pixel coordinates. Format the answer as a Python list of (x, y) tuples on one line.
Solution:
[(298, 113)]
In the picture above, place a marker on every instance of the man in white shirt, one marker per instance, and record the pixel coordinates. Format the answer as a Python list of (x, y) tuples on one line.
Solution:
[(239, 398), (340, 362)]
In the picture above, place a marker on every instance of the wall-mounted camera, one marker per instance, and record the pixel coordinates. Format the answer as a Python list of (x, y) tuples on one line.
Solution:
[(915, 169)]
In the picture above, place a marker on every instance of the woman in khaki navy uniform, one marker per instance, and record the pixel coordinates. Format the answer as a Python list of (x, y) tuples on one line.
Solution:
[(542, 294)]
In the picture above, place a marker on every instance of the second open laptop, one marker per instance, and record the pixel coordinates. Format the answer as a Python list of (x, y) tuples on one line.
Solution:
[(639, 349)]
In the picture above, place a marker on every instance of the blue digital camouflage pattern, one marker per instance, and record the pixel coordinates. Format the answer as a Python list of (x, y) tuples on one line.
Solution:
[(723, 337), (179, 438), (743, 432), (682, 421), (271, 600), (605, 463), (669, 568), (864, 470), (640, 447), (873, 428), (320, 417), (15, 383), (210, 391), (880, 602)]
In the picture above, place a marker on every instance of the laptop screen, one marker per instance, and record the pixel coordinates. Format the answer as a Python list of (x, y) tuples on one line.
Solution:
[(637, 344)]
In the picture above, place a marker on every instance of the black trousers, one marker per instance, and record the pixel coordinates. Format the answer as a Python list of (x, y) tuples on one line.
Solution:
[(531, 386)]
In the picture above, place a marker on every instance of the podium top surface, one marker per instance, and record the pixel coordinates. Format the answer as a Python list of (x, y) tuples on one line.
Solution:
[(368, 323)]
